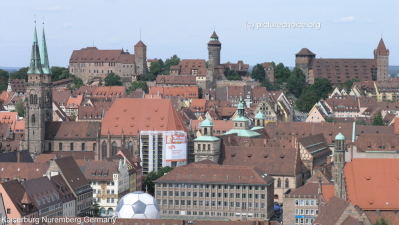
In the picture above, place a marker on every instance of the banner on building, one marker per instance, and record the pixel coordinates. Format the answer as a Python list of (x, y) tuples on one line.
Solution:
[(176, 148)]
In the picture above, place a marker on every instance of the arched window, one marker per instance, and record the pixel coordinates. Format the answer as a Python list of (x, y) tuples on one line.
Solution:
[(130, 147), (287, 183), (35, 99), (258, 123), (279, 182), (113, 148), (205, 131), (33, 119), (104, 150), (30, 99), (94, 146)]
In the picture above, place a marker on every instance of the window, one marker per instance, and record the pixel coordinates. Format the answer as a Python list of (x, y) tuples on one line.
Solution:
[(33, 119), (104, 150), (94, 147), (113, 148), (71, 146), (287, 183), (279, 182), (83, 147), (130, 147)]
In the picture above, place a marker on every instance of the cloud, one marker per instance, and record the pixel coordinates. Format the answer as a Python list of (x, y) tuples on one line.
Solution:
[(347, 19), (56, 8)]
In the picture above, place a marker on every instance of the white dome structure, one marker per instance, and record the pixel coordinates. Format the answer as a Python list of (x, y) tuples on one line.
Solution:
[(138, 205)]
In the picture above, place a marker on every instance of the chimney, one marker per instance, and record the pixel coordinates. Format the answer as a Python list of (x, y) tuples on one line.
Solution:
[(19, 156)]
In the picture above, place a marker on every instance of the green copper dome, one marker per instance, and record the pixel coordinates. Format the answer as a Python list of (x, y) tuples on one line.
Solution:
[(206, 123), (260, 115), (340, 137)]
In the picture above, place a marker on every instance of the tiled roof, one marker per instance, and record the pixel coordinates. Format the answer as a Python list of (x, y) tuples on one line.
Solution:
[(210, 172), (340, 70), (284, 130), (42, 192), (109, 92), (198, 105), (176, 80), (61, 96), (93, 55), (315, 144), (332, 211), (9, 118), (305, 51), (373, 183), (391, 216), (381, 49), (140, 44), (271, 160), (16, 192), (309, 189), (95, 112), (62, 187), (74, 102), (98, 170), (86, 91), (13, 156), (218, 125), (328, 191), (26, 170), (71, 130), (182, 92), (351, 221), (377, 142), (134, 115), (71, 172)]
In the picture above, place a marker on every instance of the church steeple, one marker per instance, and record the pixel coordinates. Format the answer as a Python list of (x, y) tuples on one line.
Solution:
[(35, 63), (44, 56)]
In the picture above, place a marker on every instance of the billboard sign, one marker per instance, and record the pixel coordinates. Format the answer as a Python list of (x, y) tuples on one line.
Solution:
[(176, 148)]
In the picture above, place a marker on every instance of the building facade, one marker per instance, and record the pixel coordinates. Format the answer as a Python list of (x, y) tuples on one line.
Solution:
[(206, 189)]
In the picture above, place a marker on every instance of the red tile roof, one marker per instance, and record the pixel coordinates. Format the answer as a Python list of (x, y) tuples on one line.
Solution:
[(209, 172), (176, 80), (373, 183), (134, 115), (93, 55), (305, 51), (381, 49), (182, 92)]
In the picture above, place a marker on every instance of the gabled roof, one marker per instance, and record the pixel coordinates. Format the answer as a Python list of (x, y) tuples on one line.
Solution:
[(13, 156), (95, 170), (16, 192), (332, 211), (271, 160), (176, 80), (70, 171), (93, 55), (67, 130), (22, 170), (134, 115), (42, 192), (140, 44), (373, 183), (210, 172)]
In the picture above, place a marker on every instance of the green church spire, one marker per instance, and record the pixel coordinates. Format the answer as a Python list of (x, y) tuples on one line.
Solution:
[(44, 56), (35, 64)]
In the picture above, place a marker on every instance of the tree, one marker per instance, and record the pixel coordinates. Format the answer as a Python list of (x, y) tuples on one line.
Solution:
[(172, 61), (330, 120), (152, 176), (19, 106), (78, 82), (258, 73), (296, 82), (377, 121), (349, 83), (232, 74), (322, 86), (156, 67), (139, 84), (59, 73), (3, 80), (96, 209), (281, 72), (270, 86), (307, 99), (20, 74), (381, 221), (112, 80)]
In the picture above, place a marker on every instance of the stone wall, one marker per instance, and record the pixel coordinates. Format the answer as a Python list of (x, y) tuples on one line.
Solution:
[(224, 83)]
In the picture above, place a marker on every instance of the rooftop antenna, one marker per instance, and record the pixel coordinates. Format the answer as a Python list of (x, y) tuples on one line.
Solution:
[(93, 42), (140, 33)]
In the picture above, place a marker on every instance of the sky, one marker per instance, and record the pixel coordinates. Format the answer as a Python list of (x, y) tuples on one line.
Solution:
[(334, 28)]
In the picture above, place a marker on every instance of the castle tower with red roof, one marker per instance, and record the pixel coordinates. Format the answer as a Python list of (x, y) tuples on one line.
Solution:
[(381, 54)]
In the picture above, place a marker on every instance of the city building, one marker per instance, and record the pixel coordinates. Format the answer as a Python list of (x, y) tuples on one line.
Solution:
[(340, 70), (92, 63), (109, 181), (206, 189)]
